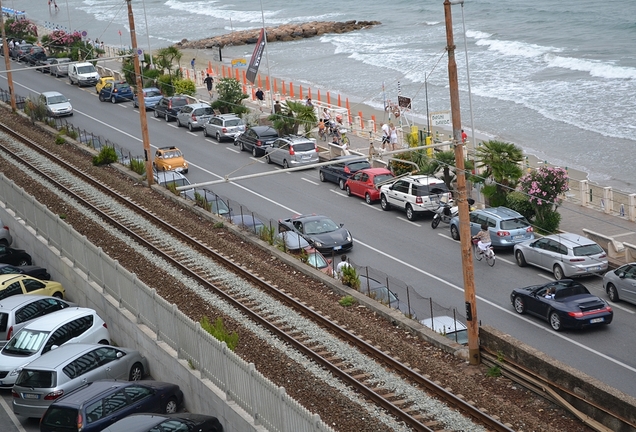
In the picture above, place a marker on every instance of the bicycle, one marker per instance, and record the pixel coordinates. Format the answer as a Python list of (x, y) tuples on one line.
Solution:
[(344, 140), (489, 253)]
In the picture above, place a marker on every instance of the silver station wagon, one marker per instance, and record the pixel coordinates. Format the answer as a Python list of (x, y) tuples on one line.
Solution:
[(62, 370), (17, 311)]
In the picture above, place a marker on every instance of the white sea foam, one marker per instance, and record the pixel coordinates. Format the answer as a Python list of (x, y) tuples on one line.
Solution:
[(595, 68), (514, 48)]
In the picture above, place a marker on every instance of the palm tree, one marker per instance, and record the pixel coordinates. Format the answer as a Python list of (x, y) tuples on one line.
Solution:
[(292, 116), (166, 57), (501, 162)]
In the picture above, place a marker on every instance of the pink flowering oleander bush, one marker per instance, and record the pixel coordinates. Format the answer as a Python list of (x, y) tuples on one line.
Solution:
[(62, 38), (20, 28), (544, 186)]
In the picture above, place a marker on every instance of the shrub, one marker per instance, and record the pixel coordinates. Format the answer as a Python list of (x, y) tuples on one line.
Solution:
[(544, 187), (550, 222), (268, 234), (201, 201), (347, 301), (72, 133), (59, 139), (172, 187), (185, 87), (350, 277), (36, 110), (219, 331), (107, 155), (520, 202), (137, 166)]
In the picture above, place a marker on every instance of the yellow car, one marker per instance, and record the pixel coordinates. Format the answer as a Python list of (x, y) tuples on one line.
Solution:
[(12, 284), (102, 82), (170, 159)]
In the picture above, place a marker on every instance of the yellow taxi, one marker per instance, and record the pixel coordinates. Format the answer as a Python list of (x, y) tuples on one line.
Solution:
[(170, 159), (14, 284), (102, 82)]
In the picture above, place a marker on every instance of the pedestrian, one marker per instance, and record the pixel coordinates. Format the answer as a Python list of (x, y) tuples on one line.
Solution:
[(192, 64), (372, 151), (308, 102), (393, 136), (209, 82), (326, 116), (55, 5), (464, 136), (341, 266), (260, 96), (277, 108), (386, 134)]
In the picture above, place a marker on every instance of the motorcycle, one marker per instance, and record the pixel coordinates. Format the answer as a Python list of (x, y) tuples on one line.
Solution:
[(445, 212)]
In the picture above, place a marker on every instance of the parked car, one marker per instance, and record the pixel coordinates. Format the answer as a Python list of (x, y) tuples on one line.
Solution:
[(180, 422), (168, 178), (366, 183), (14, 284), (416, 195), (565, 255), (19, 310), (34, 271), (320, 232), (116, 91), (506, 226), (169, 106), (66, 368), (292, 151), (571, 305), (70, 325), (83, 410), (256, 139), (35, 53), (342, 170), (224, 126), (298, 246), (56, 104), (381, 293), (101, 82), (44, 64), (5, 235), (449, 327), (82, 74), (194, 116), (620, 284), (17, 257), (59, 67), (248, 222), (152, 95), (170, 159), (20, 51), (210, 200)]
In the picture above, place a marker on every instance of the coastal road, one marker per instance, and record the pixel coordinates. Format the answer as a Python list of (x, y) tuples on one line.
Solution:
[(425, 259)]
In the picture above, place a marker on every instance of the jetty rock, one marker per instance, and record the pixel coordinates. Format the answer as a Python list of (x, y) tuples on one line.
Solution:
[(285, 32)]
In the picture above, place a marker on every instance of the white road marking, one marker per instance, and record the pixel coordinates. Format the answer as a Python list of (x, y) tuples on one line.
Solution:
[(545, 276), (371, 206), (227, 148), (408, 221), (259, 160), (192, 133), (12, 416), (309, 181), (211, 141), (337, 192), (505, 260)]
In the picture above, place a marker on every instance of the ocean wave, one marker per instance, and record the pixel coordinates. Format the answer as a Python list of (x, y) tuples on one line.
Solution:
[(515, 48), (594, 68)]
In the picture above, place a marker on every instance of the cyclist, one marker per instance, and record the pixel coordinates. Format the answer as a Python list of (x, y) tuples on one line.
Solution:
[(484, 239), (321, 130)]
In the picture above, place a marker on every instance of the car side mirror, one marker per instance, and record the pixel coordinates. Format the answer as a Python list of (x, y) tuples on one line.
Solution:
[(621, 275), (341, 225), (120, 355), (329, 261)]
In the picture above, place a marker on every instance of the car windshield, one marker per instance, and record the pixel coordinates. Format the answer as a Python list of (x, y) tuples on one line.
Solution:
[(125, 86), (36, 378), (357, 166), (179, 102), (316, 260), (177, 183), (306, 146), (320, 226), (382, 178), (57, 99), (152, 93), (204, 111), (511, 224), (86, 69), (26, 342), (60, 418), (269, 135), (587, 250), (173, 154), (382, 294), (233, 122)]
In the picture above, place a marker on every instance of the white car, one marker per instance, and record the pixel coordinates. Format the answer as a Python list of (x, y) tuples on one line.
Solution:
[(57, 105), (565, 255), (71, 325), (414, 194)]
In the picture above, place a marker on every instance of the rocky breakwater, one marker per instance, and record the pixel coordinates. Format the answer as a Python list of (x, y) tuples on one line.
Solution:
[(286, 32)]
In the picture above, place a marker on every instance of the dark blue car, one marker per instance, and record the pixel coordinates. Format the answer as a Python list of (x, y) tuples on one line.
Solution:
[(116, 91), (97, 405)]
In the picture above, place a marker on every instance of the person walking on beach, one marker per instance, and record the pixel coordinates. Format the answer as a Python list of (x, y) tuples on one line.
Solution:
[(209, 82), (192, 64), (55, 5), (393, 136)]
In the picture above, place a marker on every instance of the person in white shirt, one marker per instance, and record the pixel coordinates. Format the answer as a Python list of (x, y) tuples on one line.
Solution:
[(386, 135), (341, 265)]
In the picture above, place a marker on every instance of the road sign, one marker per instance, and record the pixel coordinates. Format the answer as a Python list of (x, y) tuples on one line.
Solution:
[(441, 118)]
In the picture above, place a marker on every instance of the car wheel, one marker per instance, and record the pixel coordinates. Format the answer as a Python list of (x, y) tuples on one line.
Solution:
[(454, 232), (178, 122), (367, 197), (4, 242), (558, 272), (24, 262), (341, 183), (384, 203), (410, 214), (58, 295), (519, 305), (321, 175), (285, 164), (612, 292), (136, 372), (218, 139), (435, 221), (348, 190), (70, 81), (103, 342), (101, 98), (166, 117), (113, 100), (521, 260), (241, 145), (190, 128), (170, 407), (269, 161), (254, 152), (205, 132), (156, 114), (555, 321)]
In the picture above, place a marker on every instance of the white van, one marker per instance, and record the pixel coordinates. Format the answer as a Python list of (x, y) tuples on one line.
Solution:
[(82, 74)]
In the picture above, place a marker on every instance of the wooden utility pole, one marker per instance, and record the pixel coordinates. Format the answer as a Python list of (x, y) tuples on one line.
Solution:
[(140, 97), (464, 224), (7, 61)]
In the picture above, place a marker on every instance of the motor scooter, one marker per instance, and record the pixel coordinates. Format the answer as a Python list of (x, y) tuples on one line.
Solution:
[(445, 212)]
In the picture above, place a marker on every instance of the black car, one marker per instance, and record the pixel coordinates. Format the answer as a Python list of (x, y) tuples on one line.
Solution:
[(169, 106), (34, 271), (17, 257), (181, 422), (256, 138), (340, 172), (563, 303), (84, 409), (320, 232), (35, 53)]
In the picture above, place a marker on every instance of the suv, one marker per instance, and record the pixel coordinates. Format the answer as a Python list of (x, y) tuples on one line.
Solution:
[(292, 151), (224, 126), (414, 194), (67, 368), (71, 325), (19, 310), (116, 91), (14, 284), (506, 226), (194, 116), (169, 106), (256, 139), (5, 235), (170, 159)]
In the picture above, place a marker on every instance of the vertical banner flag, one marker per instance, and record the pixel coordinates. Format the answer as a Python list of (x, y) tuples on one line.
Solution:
[(255, 61)]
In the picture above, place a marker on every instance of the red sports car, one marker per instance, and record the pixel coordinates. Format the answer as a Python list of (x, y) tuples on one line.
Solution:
[(366, 183)]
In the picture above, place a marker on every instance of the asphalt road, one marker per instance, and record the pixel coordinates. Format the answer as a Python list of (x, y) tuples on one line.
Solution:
[(426, 259)]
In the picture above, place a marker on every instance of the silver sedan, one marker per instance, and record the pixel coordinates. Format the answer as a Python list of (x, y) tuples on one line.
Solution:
[(620, 284)]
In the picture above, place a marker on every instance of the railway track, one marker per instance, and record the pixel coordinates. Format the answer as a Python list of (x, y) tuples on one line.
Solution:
[(183, 251)]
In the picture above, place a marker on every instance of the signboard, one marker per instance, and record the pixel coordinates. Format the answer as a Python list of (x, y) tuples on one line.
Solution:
[(441, 118), (239, 62), (404, 102)]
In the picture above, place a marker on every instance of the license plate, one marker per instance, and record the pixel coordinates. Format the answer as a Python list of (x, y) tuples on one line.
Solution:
[(596, 320), (517, 237), (337, 248), (306, 157), (597, 268), (31, 396)]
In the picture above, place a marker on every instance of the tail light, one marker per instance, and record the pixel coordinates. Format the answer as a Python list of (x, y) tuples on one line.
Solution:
[(503, 233), (529, 229), (194, 118), (54, 395), (347, 170), (80, 422), (603, 255), (291, 150), (169, 104), (6, 227), (224, 130), (577, 259), (259, 143), (418, 200), (15, 394), (105, 325), (10, 333)]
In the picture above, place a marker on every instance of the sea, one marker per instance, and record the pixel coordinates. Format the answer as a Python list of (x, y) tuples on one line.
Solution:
[(557, 78)]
